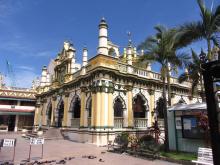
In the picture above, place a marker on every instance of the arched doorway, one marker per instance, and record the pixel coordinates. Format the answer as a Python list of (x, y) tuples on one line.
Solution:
[(160, 112), (49, 114), (119, 106), (140, 110), (75, 108), (89, 110), (60, 113)]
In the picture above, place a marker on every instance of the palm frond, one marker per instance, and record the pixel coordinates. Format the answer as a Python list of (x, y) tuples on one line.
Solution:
[(190, 32)]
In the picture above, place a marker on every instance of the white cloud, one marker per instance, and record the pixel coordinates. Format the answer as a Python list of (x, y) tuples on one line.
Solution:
[(23, 78), (27, 68)]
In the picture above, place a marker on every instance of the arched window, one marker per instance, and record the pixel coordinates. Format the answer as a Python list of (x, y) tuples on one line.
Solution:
[(76, 106), (139, 107), (111, 52), (118, 108)]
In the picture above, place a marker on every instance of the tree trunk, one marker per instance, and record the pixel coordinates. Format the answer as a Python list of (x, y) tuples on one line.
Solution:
[(168, 86), (166, 142), (209, 56), (202, 88)]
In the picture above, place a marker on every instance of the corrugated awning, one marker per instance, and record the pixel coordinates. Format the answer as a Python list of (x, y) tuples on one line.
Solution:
[(185, 107)]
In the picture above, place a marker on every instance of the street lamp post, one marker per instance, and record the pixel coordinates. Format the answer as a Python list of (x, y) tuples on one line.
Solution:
[(211, 75)]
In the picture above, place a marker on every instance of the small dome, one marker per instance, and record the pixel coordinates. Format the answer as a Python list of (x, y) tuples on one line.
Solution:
[(103, 22)]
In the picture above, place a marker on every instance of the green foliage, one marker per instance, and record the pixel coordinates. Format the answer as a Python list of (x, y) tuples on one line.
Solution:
[(207, 28), (179, 155), (148, 142), (122, 139)]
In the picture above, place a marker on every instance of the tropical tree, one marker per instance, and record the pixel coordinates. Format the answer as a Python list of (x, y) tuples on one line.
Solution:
[(194, 74), (207, 28), (162, 48)]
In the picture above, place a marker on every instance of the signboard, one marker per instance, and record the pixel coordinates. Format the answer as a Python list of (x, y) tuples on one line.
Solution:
[(36, 141), (9, 143)]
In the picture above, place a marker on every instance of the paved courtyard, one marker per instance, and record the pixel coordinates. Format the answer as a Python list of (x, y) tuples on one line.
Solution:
[(59, 149)]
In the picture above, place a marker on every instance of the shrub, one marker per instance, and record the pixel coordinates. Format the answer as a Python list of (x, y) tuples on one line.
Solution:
[(148, 142)]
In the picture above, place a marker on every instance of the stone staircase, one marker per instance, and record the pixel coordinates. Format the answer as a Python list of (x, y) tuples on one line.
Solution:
[(48, 134), (53, 134)]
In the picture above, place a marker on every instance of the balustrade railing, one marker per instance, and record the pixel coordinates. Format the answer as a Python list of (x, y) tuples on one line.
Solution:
[(140, 123), (141, 72), (75, 122), (118, 122)]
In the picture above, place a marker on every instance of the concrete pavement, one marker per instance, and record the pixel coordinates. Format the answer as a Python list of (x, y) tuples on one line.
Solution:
[(59, 149)]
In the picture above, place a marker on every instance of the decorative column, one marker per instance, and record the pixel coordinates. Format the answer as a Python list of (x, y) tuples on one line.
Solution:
[(130, 108), (110, 109), (36, 113), (98, 110), (103, 37), (151, 107), (66, 107), (16, 123), (93, 115), (83, 107), (53, 102)]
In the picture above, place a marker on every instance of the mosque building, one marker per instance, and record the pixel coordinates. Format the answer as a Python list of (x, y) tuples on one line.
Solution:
[(108, 93)]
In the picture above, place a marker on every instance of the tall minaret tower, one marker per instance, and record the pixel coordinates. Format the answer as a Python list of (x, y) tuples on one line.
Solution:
[(103, 37), (85, 60), (43, 76)]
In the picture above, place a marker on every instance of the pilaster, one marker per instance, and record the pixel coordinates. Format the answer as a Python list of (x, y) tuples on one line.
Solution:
[(151, 107), (130, 108), (83, 108), (110, 110), (66, 105)]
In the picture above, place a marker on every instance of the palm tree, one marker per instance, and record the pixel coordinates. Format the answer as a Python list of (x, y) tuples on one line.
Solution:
[(162, 48), (207, 28), (194, 74)]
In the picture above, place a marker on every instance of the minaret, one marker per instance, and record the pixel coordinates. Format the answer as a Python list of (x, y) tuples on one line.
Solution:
[(129, 55), (135, 52), (85, 56), (103, 37), (124, 53), (85, 60), (72, 55), (43, 76), (48, 79)]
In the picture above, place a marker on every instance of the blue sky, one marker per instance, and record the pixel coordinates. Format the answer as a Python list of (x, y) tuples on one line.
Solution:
[(32, 31)]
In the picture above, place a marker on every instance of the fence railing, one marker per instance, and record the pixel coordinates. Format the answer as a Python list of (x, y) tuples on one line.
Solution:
[(140, 123), (118, 122)]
